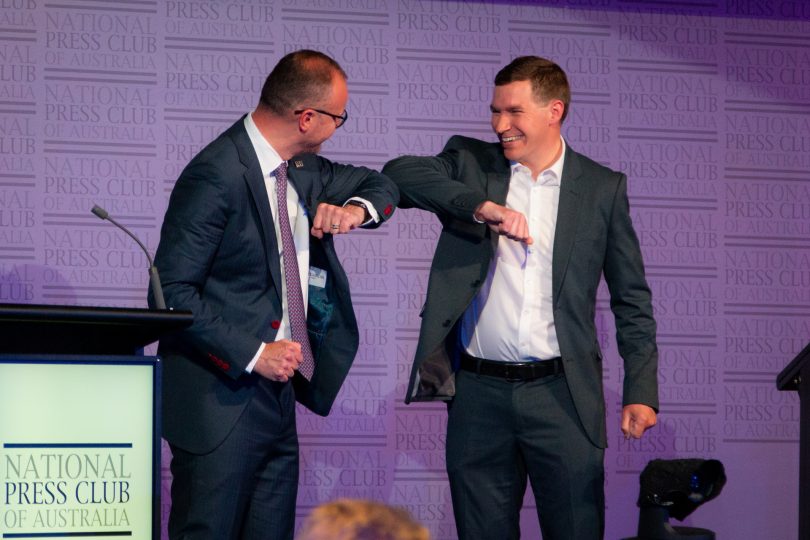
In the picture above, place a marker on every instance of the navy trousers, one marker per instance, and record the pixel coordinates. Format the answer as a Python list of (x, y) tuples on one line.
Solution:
[(245, 489), (501, 433)]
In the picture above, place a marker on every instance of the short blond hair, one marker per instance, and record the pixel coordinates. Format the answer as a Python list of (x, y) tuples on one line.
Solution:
[(356, 519)]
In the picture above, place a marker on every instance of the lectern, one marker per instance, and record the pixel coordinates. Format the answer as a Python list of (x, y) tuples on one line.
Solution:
[(45, 329), (79, 420), (796, 377)]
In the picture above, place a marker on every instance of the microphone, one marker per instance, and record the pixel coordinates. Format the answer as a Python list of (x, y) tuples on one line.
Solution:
[(154, 279)]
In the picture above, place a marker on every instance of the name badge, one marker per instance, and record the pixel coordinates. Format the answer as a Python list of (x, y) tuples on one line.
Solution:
[(317, 277)]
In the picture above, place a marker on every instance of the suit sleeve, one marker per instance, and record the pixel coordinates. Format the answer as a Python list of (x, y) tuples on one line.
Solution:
[(346, 181), (192, 231), (631, 303), (435, 183)]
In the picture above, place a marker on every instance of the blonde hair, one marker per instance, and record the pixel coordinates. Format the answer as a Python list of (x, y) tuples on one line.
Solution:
[(354, 519)]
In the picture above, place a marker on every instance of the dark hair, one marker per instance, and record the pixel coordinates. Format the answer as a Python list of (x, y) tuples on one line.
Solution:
[(547, 78), (301, 79)]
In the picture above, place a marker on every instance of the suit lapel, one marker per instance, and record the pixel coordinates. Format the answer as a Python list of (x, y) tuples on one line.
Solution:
[(258, 190), (497, 178), (303, 177), (498, 187), (567, 218)]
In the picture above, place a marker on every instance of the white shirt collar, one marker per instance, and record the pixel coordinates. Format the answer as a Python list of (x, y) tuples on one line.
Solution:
[(269, 159), (550, 176)]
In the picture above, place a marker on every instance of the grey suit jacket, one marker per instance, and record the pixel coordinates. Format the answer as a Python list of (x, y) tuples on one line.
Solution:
[(594, 235), (218, 257)]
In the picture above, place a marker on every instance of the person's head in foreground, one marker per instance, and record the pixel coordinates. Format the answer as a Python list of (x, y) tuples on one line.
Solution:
[(351, 519)]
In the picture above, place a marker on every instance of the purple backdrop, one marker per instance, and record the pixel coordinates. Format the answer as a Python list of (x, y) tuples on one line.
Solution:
[(706, 106)]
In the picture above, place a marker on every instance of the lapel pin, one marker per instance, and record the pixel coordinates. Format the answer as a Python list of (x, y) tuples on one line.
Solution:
[(298, 164)]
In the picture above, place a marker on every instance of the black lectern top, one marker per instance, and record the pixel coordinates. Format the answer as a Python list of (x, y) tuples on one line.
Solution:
[(50, 329)]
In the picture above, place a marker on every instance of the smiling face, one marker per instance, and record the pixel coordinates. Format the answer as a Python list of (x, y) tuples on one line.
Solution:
[(529, 131)]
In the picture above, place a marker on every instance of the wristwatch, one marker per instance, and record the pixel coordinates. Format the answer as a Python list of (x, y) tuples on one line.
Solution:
[(360, 204)]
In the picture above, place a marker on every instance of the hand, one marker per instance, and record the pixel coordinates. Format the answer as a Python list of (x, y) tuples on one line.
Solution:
[(504, 221), (636, 419), (279, 360), (330, 219)]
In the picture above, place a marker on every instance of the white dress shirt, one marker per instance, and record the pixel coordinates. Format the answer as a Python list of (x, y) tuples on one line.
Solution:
[(269, 160), (511, 319)]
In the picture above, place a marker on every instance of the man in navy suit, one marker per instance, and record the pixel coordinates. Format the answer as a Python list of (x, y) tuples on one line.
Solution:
[(231, 379), (508, 335)]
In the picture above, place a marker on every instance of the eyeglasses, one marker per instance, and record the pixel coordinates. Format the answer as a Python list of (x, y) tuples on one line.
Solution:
[(339, 119)]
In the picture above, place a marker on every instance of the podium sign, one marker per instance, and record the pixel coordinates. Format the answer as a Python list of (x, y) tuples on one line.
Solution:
[(79, 446)]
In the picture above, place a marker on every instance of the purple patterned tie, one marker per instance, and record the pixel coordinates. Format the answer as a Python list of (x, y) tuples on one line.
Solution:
[(295, 300)]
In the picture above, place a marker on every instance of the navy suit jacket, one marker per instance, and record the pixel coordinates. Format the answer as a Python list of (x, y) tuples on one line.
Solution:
[(218, 257), (594, 235)]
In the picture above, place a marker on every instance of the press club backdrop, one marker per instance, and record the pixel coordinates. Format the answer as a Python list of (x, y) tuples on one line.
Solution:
[(705, 105)]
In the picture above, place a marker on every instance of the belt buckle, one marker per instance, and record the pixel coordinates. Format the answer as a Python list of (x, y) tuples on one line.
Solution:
[(510, 373)]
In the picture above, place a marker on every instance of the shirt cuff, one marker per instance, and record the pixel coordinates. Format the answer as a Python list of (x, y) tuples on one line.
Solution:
[(375, 217), (255, 359)]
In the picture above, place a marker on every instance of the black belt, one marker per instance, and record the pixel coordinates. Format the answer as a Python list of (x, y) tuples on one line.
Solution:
[(512, 371)]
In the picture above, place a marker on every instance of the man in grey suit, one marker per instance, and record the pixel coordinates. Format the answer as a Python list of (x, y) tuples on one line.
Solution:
[(246, 244), (508, 335)]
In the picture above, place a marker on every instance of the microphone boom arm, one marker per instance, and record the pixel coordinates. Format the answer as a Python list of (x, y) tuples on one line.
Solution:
[(154, 278)]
